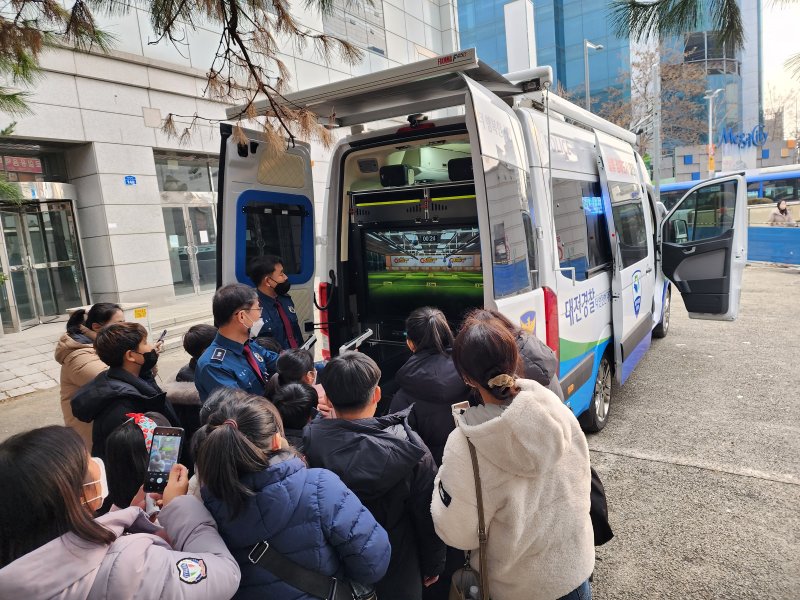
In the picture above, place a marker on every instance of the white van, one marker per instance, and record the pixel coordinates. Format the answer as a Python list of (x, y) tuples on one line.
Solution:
[(527, 204)]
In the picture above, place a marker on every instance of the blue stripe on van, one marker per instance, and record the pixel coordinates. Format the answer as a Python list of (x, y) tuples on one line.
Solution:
[(581, 399)]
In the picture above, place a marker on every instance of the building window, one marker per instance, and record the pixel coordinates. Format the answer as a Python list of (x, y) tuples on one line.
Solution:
[(358, 22), (186, 172), (688, 159)]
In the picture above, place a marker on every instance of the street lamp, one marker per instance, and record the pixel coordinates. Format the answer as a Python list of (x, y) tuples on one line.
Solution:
[(586, 45), (710, 95)]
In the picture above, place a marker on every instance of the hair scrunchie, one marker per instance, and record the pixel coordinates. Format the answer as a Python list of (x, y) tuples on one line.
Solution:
[(502, 381), (231, 422), (146, 424)]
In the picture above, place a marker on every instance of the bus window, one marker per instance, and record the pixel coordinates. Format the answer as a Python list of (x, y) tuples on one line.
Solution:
[(781, 189), (670, 199)]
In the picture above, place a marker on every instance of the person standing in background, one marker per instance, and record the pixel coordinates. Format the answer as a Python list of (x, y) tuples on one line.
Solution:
[(781, 216), (78, 359), (277, 307)]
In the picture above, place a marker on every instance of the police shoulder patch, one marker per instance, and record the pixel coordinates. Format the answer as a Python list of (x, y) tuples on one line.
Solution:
[(191, 570), (218, 354)]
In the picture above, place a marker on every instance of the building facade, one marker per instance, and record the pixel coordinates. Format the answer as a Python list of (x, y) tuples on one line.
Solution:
[(561, 26), (115, 210)]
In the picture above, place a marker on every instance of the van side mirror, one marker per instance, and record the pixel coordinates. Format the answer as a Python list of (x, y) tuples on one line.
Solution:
[(680, 231)]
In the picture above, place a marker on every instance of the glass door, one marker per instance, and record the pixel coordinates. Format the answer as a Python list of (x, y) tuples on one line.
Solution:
[(204, 238), (183, 276), (192, 244), (44, 260), (18, 267)]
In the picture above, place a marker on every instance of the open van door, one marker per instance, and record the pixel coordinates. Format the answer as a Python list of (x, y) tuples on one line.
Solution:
[(633, 276), (502, 189), (703, 242), (265, 206)]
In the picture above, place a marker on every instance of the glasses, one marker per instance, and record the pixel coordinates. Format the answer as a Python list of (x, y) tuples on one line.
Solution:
[(258, 308)]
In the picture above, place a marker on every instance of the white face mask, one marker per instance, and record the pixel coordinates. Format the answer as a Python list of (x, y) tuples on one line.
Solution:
[(255, 328), (102, 481)]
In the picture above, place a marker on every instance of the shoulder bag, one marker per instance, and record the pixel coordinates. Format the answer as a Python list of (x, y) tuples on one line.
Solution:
[(466, 577), (312, 583)]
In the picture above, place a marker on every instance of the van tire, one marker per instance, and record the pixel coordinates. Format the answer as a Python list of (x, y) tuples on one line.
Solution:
[(662, 328), (596, 416)]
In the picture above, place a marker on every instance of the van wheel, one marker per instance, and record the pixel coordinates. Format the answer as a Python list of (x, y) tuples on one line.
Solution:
[(662, 328), (596, 416)]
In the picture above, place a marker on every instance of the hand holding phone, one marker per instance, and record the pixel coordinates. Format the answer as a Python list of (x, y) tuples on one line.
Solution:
[(177, 485), (164, 454), (458, 409)]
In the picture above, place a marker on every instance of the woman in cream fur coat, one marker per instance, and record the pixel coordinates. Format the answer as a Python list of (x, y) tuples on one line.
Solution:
[(534, 469)]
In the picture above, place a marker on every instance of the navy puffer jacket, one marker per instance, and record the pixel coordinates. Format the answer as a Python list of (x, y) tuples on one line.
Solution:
[(310, 517)]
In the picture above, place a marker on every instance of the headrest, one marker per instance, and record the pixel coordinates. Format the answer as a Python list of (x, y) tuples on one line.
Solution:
[(396, 175), (460, 169)]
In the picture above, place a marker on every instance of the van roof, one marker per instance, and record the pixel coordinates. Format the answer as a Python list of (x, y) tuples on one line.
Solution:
[(414, 88)]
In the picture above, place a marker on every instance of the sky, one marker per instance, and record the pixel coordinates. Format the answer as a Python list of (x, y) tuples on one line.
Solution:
[(780, 40)]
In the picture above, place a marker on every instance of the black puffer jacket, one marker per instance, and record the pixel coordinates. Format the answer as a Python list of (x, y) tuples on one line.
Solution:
[(541, 364), (110, 396), (391, 471), (429, 381)]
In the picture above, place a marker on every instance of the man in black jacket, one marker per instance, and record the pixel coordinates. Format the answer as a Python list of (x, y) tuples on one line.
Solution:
[(127, 386), (386, 465)]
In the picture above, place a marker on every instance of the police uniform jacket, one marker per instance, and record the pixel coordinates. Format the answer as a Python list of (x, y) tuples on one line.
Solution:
[(273, 324), (198, 566), (224, 364)]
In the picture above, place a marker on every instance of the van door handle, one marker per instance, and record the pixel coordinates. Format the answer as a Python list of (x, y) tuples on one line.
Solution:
[(648, 270), (690, 250)]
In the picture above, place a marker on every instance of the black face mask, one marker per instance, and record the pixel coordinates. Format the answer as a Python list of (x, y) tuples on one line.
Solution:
[(150, 360), (283, 288)]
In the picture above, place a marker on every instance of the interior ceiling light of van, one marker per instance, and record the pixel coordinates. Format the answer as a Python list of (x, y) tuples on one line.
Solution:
[(427, 158)]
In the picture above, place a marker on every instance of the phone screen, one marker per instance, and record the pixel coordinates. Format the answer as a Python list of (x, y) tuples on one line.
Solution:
[(164, 453)]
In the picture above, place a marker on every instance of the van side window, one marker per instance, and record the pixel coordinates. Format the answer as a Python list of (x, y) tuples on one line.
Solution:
[(581, 226), (707, 213), (276, 229), (626, 206), (530, 238)]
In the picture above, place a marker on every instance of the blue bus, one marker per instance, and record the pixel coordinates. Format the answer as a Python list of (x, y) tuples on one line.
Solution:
[(765, 188)]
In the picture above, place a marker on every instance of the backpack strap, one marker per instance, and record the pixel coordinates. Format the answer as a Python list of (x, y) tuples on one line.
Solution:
[(483, 538), (308, 581)]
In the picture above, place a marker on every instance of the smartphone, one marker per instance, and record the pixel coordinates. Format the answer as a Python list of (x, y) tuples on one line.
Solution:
[(458, 409), (162, 336), (164, 452)]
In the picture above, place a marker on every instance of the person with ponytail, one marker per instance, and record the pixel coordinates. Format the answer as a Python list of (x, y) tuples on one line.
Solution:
[(259, 490), (429, 382), (79, 362), (533, 463)]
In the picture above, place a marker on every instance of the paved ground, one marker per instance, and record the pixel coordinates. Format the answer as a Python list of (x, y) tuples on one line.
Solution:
[(26, 358), (700, 459)]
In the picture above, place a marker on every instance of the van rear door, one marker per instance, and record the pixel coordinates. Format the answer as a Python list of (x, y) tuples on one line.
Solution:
[(503, 192), (266, 207), (633, 275), (703, 242)]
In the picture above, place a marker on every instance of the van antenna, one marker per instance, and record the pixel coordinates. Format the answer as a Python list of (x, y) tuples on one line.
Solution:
[(549, 150)]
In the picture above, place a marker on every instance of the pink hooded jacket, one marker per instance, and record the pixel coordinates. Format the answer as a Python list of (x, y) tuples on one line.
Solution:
[(138, 564)]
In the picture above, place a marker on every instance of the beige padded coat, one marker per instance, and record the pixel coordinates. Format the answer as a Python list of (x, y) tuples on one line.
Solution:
[(79, 365), (534, 469)]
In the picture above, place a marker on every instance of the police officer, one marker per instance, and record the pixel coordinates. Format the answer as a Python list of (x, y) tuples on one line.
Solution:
[(278, 312), (232, 359)]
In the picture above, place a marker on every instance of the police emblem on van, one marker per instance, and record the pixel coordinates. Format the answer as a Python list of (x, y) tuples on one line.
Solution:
[(528, 322), (637, 291)]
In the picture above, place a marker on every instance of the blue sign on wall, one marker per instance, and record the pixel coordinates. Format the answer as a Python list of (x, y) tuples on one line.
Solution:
[(130, 180), (757, 137)]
